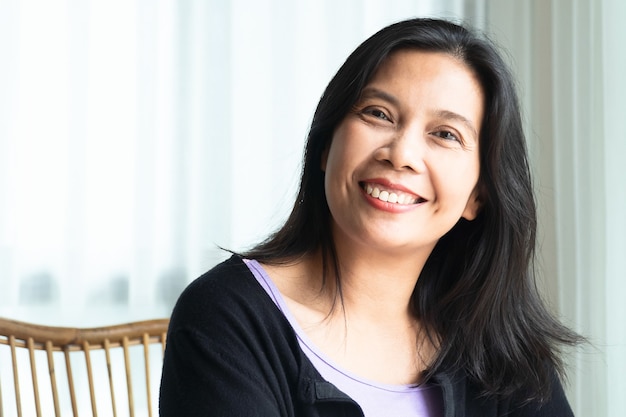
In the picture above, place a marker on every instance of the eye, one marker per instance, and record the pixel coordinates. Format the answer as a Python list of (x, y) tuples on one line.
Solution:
[(447, 135), (377, 113)]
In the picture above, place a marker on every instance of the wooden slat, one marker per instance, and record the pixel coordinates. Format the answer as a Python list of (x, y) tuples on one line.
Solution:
[(146, 356), (16, 378), (129, 379), (1, 403), (33, 371), (70, 382), (53, 379), (92, 390), (107, 349)]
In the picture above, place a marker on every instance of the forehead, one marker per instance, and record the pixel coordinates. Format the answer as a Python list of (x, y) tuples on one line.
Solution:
[(417, 63), (436, 82)]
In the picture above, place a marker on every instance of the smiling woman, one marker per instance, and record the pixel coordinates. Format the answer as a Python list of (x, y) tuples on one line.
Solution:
[(401, 283), (411, 135)]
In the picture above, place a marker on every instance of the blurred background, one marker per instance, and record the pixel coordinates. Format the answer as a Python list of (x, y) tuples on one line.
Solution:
[(137, 137)]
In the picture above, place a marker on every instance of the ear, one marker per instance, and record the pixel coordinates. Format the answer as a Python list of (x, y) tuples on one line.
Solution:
[(474, 204)]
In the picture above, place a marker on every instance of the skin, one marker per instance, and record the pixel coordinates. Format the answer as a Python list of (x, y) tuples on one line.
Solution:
[(414, 132)]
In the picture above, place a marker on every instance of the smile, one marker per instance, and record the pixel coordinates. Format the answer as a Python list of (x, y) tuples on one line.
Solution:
[(391, 196)]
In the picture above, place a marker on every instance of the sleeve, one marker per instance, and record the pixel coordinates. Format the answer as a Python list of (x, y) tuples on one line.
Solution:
[(217, 361), (197, 381)]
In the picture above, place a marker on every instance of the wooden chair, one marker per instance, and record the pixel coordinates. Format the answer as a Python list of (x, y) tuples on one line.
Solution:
[(88, 358)]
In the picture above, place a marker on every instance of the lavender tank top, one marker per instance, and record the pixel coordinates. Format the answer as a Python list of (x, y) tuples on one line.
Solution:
[(376, 399)]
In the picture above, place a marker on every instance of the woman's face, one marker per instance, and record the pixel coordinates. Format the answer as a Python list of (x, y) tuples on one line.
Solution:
[(403, 165)]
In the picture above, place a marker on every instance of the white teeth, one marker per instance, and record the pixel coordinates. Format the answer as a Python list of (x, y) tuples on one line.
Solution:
[(389, 197)]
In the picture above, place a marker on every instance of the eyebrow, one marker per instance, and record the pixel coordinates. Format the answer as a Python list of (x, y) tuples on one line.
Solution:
[(372, 92), (446, 114)]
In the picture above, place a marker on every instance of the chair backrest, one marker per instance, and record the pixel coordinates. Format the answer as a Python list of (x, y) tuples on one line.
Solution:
[(98, 363)]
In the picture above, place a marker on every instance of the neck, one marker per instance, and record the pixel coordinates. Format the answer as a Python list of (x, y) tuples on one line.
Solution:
[(375, 286), (377, 280), (371, 331), (378, 285)]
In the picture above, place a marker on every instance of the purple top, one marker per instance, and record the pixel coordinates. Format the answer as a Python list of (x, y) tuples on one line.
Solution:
[(376, 399)]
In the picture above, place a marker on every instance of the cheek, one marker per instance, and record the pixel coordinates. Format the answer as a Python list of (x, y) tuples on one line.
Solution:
[(339, 170), (330, 166), (456, 185), (333, 172), (467, 193), (335, 157)]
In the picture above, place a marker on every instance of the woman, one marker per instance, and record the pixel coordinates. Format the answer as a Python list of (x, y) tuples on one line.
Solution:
[(401, 284)]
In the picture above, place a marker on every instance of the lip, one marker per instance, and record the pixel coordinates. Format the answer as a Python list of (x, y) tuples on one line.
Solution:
[(391, 185), (390, 207)]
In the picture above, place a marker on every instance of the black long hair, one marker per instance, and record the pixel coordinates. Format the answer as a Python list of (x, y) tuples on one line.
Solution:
[(476, 295)]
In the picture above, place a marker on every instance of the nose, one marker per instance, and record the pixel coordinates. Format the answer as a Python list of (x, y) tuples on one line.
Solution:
[(406, 149)]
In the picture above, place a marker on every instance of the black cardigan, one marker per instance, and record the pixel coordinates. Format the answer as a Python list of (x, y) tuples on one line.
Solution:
[(231, 352)]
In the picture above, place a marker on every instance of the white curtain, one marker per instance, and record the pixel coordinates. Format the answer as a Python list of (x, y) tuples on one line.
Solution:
[(570, 59), (137, 136)]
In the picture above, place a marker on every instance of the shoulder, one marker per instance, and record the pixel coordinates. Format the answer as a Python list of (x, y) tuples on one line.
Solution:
[(464, 397), (229, 275), (556, 405), (225, 315), (225, 297), (230, 350)]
